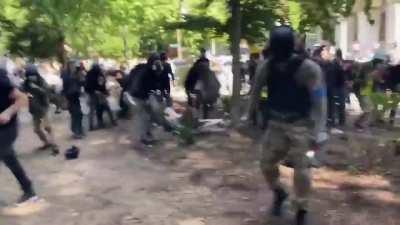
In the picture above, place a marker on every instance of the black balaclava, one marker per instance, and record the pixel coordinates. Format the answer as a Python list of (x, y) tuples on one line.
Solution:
[(155, 64), (282, 42), (31, 71)]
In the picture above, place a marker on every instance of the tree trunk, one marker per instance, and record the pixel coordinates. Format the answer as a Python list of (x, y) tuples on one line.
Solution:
[(179, 41), (62, 53), (125, 42), (235, 36), (179, 32)]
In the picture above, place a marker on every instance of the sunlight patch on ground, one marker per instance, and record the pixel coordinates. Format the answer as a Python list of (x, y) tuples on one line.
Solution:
[(25, 209), (99, 142), (195, 221)]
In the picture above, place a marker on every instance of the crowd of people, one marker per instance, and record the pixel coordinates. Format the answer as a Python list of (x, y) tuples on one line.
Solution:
[(343, 77), (306, 95), (148, 84)]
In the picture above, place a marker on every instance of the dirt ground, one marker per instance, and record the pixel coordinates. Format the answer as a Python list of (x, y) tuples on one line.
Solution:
[(214, 182)]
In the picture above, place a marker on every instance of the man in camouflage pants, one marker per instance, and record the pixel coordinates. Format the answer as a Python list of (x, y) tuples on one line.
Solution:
[(297, 117), (38, 92)]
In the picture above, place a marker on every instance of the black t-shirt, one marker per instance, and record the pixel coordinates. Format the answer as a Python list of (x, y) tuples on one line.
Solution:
[(6, 88)]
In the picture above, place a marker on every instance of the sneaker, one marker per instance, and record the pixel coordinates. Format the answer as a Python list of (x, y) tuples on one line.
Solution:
[(148, 143), (54, 150), (280, 196), (315, 159), (139, 146), (301, 217), (27, 197), (78, 136), (336, 131), (44, 147)]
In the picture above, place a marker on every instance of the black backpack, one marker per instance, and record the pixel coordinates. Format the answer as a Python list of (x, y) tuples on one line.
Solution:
[(134, 80)]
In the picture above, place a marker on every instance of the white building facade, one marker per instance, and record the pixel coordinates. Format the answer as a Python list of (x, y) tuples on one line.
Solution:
[(360, 40)]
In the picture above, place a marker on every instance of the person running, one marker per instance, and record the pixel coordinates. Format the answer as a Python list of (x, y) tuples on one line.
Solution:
[(95, 87), (297, 116), (39, 103), (73, 80), (148, 90), (11, 101)]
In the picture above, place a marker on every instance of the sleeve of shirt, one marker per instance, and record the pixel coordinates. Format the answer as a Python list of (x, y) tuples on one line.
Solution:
[(315, 83), (259, 83)]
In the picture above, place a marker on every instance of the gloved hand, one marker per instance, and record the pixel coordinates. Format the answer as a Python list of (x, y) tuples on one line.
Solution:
[(322, 137), (316, 154)]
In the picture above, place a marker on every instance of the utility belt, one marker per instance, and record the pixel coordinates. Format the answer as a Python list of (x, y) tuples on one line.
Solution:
[(286, 117)]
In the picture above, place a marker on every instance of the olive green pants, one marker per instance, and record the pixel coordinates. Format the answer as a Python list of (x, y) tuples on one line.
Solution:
[(42, 127), (283, 140)]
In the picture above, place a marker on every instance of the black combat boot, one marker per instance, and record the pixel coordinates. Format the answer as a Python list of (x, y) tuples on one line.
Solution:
[(280, 196), (301, 217)]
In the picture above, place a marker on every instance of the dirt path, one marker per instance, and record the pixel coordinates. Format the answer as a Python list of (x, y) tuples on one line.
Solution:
[(214, 182)]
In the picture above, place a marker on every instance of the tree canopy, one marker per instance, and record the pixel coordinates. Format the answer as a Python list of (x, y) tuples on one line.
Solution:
[(127, 28)]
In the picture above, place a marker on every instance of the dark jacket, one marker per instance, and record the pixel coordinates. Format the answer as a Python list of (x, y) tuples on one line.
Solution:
[(72, 84), (144, 80), (95, 81), (192, 77), (165, 79), (6, 88), (39, 92)]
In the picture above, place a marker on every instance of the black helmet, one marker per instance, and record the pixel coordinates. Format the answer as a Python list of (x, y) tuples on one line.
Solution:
[(282, 41), (152, 58), (31, 70)]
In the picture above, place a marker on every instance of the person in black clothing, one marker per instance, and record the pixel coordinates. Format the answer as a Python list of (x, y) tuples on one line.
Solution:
[(202, 87), (393, 83), (335, 84), (252, 67), (147, 88), (194, 75), (95, 87), (73, 80), (167, 77), (339, 90), (203, 57), (11, 101)]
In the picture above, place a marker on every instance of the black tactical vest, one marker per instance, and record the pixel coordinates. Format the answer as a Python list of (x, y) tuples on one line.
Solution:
[(287, 99)]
